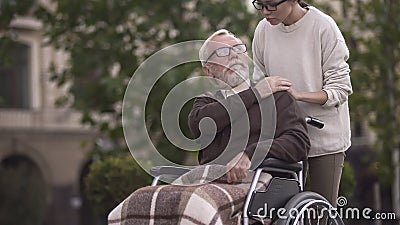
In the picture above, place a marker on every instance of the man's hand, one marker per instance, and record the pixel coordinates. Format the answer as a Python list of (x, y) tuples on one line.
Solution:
[(238, 168), (270, 85)]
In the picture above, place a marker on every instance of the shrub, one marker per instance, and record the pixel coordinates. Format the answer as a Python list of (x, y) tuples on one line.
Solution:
[(111, 179)]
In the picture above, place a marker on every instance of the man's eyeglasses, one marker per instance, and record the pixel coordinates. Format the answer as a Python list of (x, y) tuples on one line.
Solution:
[(225, 51), (267, 6)]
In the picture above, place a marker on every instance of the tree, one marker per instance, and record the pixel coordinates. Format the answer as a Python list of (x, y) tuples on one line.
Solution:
[(375, 73), (111, 180), (107, 41), (374, 41)]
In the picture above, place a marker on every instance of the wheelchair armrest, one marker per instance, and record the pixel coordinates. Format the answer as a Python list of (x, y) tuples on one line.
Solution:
[(280, 164), (168, 171), (315, 122)]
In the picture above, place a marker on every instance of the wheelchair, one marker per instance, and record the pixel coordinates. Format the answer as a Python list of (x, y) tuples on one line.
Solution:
[(283, 201)]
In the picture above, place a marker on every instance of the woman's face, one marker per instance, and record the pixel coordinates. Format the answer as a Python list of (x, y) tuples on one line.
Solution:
[(281, 13)]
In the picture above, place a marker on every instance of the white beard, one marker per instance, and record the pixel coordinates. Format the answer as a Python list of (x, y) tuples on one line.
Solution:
[(239, 75), (234, 74)]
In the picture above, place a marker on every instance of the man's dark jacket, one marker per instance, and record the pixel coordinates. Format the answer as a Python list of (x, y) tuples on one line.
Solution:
[(289, 142)]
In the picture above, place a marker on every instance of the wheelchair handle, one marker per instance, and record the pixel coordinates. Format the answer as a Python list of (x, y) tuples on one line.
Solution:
[(315, 122)]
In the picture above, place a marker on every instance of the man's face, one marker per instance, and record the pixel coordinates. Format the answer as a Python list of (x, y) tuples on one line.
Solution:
[(231, 69)]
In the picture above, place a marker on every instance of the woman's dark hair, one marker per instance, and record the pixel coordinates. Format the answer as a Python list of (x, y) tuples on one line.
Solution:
[(303, 4)]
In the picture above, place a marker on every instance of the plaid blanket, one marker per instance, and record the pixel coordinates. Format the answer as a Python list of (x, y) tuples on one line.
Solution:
[(205, 203)]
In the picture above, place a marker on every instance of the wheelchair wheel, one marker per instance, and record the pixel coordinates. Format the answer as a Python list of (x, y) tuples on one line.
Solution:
[(308, 208)]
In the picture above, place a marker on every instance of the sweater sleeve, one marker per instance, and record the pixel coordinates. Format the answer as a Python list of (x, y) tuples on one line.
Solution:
[(258, 52), (207, 107), (291, 142), (336, 71)]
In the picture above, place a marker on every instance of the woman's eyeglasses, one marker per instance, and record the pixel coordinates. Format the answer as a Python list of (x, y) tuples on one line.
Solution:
[(267, 6)]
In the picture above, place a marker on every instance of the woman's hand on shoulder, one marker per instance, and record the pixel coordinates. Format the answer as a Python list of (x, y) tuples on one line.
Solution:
[(296, 94), (269, 85)]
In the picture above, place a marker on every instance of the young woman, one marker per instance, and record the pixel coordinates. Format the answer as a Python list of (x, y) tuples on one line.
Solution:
[(305, 46)]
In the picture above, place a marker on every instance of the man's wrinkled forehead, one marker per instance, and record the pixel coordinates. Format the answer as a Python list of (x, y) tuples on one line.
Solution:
[(224, 40)]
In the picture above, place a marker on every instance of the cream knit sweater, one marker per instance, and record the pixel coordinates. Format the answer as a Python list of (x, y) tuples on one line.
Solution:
[(312, 54)]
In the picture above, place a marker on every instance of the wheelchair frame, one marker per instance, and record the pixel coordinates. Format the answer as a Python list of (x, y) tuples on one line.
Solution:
[(299, 200)]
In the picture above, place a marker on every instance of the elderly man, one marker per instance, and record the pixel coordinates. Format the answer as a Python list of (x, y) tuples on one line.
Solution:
[(223, 57), (220, 201)]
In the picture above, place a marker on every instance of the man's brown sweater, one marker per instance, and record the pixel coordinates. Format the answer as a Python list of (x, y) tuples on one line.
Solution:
[(289, 142)]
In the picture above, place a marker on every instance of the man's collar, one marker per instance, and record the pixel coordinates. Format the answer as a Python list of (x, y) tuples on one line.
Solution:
[(241, 87)]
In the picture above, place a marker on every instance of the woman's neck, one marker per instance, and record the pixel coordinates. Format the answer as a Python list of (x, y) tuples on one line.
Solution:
[(297, 13)]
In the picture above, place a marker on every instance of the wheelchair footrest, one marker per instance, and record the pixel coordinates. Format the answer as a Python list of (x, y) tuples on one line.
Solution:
[(265, 204)]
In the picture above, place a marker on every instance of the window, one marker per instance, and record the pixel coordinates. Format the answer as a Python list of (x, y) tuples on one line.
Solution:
[(15, 77)]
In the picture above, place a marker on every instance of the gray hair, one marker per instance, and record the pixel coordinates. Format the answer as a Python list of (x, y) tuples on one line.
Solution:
[(204, 51)]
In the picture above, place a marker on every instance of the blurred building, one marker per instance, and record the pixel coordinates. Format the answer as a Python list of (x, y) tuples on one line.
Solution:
[(43, 148)]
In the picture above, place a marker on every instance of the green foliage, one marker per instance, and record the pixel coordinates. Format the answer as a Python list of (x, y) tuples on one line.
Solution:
[(112, 179), (107, 41), (375, 55), (347, 182), (10, 8)]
